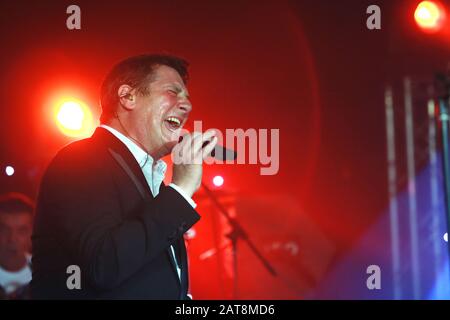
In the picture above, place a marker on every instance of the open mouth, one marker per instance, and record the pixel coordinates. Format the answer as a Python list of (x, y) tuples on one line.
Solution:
[(173, 123)]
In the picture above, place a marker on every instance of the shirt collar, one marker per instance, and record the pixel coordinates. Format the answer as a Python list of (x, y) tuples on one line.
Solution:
[(140, 155)]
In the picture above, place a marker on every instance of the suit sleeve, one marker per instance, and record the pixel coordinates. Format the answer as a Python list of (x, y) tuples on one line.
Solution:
[(80, 197)]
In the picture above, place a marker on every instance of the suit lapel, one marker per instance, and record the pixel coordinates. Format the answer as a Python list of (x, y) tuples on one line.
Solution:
[(184, 267), (122, 155), (128, 171)]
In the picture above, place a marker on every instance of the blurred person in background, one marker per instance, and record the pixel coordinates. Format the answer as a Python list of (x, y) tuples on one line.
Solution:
[(16, 224)]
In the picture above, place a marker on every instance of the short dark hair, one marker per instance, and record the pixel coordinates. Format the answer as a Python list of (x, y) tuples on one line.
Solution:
[(136, 72), (14, 202)]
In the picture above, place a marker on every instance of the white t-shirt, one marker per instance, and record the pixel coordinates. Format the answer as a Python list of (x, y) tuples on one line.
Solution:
[(11, 281)]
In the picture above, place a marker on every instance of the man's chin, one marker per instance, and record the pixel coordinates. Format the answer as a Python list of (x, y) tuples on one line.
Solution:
[(170, 145), (171, 138), (167, 148)]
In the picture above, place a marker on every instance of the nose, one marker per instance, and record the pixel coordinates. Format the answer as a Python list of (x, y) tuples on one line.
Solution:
[(185, 105)]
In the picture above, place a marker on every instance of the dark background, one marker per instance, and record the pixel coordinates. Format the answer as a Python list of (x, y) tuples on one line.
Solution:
[(310, 68)]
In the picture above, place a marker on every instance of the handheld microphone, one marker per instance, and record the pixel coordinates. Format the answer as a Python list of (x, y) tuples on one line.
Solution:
[(219, 152)]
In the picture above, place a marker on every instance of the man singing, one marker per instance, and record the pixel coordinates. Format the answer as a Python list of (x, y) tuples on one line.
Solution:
[(102, 206)]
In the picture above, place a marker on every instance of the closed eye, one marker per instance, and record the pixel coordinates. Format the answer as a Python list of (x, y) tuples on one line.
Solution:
[(175, 91)]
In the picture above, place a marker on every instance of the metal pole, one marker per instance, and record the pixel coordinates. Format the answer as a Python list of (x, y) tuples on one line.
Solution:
[(392, 183), (434, 188), (412, 196), (444, 117)]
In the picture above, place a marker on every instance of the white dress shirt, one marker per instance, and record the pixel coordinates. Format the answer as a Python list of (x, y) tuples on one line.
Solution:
[(153, 172), (11, 281)]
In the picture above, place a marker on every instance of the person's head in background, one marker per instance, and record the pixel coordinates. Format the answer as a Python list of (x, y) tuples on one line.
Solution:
[(16, 223)]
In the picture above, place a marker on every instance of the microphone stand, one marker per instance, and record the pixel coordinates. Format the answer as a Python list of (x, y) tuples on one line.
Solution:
[(236, 233)]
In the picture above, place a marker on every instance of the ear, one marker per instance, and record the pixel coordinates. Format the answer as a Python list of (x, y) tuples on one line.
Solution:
[(127, 97)]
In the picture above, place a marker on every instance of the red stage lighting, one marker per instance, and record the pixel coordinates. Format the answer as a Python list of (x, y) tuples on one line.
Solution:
[(218, 181), (430, 16), (74, 118)]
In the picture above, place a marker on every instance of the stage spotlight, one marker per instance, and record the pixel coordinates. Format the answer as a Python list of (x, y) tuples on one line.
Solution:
[(446, 237), (218, 181), (74, 118), (9, 171), (430, 16)]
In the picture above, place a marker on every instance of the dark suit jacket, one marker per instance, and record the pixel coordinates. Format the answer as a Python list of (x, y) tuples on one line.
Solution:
[(95, 210)]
